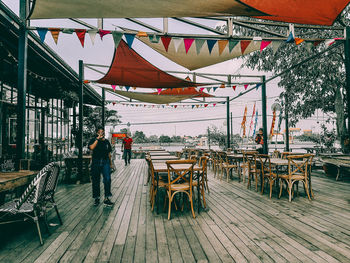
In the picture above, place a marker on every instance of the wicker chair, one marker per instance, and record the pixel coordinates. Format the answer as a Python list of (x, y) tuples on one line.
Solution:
[(36, 199), (266, 172)]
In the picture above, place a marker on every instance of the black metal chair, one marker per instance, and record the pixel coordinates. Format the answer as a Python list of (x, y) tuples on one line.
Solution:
[(36, 199)]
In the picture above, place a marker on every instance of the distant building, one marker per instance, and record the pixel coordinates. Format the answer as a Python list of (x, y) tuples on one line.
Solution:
[(307, 132), (203, 141)]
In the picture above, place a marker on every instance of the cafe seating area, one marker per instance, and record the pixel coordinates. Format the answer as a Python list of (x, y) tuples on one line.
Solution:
[(238, 224)]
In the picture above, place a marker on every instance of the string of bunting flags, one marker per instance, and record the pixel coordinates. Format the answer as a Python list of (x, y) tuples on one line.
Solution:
[(165, 39), (192, 106)]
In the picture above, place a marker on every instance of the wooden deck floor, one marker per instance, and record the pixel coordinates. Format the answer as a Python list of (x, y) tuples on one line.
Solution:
[(240, 225)]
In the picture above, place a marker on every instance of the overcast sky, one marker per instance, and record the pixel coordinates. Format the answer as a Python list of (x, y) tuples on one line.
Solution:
[(69, 48)]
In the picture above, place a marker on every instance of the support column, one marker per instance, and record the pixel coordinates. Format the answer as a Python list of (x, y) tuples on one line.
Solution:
[(21, 82), (264, 118), (103, 108), (286, 118), (347, 69), (231, 131), (228, 120), (80, 130)]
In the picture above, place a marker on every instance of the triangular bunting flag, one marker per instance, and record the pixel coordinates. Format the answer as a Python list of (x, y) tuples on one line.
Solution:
[(102, 33), (166, 42), (257, 86), (127, 88), (113, 87), (141, 34), (208, 89), (201, 89), (55, 33), (92, 33), (275, 46), (214, 88), (175, 106), (214, 104), (317, 42), (129, 39), (244, 45), (67, 31), (205, 105), (42, 33), (199, 44), (197, 106), (329, 42), (159, 91), (134, 88), (290, 38), (298, 41), (177, 42), (264, 44), (222, 86), (113, 103), (192, 106), (245, 86), (232, 44), (81, 35), (234, 88), (222, 44), (188, 43), (154, 38), (211, 43), (117, 36)]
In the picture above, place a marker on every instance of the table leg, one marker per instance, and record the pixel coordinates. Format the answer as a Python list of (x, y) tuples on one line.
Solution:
[(198, 192), (157, 194)]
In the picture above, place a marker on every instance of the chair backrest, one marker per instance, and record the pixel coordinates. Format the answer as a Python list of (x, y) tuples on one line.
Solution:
[(193, 157), (203, 161), (285, 154), (276, 154), (180, 170), (33, 192), (265, 163), (298, 164), (250, 157), (51, 183)]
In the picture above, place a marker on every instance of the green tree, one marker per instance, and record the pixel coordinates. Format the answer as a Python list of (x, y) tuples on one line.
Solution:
[(153, 138), (164, 139), (217, 136), (92, 120), (317, 84), (139, 137)]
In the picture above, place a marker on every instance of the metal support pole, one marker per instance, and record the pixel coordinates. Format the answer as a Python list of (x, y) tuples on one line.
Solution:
[(209, 138), (231, 130), (264, 119), (103, 108), (22, 82), (165, 25), (228, 120), (286, 117), (80, 131), (347, 69)]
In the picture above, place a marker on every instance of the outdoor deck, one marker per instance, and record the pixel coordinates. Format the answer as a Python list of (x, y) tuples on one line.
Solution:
[(241, 225)]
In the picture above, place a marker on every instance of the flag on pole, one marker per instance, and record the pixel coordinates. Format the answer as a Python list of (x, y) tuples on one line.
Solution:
[(273, 122), (244, 120), (251, 120)]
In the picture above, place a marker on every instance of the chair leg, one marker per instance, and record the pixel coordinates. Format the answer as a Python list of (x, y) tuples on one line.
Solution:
[(191, 201), (58, 214), (227, 174), (36, 220), (307, 190), (262, 185), (271, 185), (290, 187), (281, 186), (206, 182), (169, 208)]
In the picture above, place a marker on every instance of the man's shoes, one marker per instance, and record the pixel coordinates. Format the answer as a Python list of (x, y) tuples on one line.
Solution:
[(126, 164), (108, 202), (97, 202)]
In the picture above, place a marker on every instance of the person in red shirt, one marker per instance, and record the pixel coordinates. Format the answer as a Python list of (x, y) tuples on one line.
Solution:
[(126, 147), (259, 139)]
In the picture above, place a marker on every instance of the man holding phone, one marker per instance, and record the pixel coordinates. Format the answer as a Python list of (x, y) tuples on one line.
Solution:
[(101, 163)]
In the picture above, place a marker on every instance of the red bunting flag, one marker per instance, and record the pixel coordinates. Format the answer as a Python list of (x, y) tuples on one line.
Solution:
[(159, 91), (175, 106), (166, 42), (103, 32), (188, 43), (264, 44), (214, 104), (113, 103), (245, 86), (201, 89), (244, 45), (113, 87), (81, 35), (234, 88), (205, 105)]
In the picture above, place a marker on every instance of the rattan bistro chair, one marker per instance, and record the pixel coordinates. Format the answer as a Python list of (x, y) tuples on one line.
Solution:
[(266, 172), (180, 177), (36, 199)]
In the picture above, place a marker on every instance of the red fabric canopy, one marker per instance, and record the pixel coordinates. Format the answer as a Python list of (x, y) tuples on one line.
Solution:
[(315, 12), (130, 69), (186, 91)]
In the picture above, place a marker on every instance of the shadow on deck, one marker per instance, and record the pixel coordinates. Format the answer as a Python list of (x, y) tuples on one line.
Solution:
[(241, 225)]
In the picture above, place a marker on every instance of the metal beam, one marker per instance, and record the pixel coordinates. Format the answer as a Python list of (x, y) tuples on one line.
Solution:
[(80, 22), (22, 82), (264, 118), (235, 22), (187, 21), (286, 119), (103, 108), (228, 122), (136, 21), (81, 118), (347, 69)]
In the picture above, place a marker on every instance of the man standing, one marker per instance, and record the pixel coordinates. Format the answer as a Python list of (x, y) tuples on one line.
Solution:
[(126, 147), (101, 163), (259, 139)]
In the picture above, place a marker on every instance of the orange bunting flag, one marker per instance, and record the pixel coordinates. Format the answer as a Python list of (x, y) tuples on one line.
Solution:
[(86, 81), (244, 45), (222, 44), (244, 120), (55, 33), (81, 35), (197, 105), (166, 42), (222, 86), (273, 122), (298, 41), (141, 34)]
